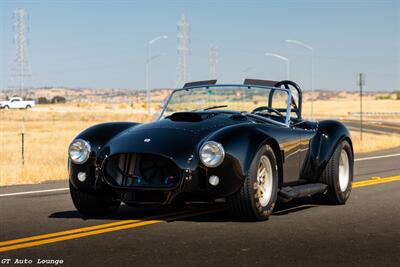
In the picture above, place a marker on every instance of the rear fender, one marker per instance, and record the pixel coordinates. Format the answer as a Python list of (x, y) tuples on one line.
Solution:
[(322, 146)]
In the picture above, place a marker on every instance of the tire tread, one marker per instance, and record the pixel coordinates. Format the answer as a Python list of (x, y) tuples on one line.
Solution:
[(93, 204), (329, 177), (241, 203)]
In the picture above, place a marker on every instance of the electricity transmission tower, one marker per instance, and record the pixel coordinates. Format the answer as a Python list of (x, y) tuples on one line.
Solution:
[(21, 69), (213, 62), (183, 52)]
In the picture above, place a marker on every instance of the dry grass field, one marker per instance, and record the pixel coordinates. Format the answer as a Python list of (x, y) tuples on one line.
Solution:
[(50, 128), (47, 135), (373, 142)]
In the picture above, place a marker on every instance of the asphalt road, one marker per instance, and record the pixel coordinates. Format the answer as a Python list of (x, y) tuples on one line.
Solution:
[(364, 232), (376, 127)]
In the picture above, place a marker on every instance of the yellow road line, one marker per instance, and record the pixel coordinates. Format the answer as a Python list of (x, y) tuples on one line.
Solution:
[(86, 229), (78, 235), (105, 230), (376, 180), (83, 229), (129, 224)]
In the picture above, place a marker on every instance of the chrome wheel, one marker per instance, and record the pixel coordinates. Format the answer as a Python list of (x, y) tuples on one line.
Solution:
[(344, 170), (264, 181)]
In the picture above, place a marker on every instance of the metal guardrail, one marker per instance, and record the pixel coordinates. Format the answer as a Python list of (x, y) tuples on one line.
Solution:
[(395, 113)]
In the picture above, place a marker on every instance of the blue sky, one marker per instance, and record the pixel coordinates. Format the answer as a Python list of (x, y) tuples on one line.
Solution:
[(103, 43)]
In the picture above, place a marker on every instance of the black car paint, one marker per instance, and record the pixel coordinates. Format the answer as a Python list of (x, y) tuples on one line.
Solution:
[(330, 133), (302, 150)]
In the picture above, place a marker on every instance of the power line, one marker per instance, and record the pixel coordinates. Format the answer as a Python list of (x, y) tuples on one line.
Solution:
[(213, 62), (21, 69), (183, 52)]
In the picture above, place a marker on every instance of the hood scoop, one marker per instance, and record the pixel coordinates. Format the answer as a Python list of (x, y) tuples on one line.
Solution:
[(190, 116)]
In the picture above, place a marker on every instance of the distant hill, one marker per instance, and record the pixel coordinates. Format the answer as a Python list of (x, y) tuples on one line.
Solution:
[(111, 95), (107, 95)]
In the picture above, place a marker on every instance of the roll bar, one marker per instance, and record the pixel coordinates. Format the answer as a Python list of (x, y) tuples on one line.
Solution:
[(297, 107)]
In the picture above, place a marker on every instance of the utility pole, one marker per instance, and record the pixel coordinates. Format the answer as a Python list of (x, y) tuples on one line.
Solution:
[(213, 62), (309, 47), (149, 59), (183, 52), (21, 67), (361, 83), (23, 142)]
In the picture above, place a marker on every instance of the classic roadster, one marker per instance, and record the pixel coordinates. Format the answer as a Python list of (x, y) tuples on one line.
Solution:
[(245, 143)]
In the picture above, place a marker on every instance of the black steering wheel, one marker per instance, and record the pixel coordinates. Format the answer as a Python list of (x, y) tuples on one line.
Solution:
[(267, 108)]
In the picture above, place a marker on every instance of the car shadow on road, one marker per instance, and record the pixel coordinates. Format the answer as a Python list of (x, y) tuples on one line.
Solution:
[(157, 212), (281, 209), (124, 213)]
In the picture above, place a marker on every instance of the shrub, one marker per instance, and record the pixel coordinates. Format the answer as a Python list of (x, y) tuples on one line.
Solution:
[(58, 99), (383, 97), (43, 100)]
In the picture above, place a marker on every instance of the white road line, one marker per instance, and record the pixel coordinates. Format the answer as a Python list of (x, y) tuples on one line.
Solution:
[(34, 192), (378, 157), (66, 188)]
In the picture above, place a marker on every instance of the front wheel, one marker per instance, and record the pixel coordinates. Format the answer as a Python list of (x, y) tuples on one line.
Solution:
[(256, 198), (338, 175), (94, 204)]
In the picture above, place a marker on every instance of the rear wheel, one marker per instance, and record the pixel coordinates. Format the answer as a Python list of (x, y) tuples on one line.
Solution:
[(28, 107), (94, 204), (256, 198), (6, 107), (338, 175)]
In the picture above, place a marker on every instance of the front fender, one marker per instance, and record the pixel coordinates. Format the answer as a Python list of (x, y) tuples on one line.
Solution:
[(97, 136), (241, 143)]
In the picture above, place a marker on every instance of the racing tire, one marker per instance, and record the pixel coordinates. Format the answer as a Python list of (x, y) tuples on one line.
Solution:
[(94, 204), (6, 107), (28, 107), (256, 199), (338, 175)]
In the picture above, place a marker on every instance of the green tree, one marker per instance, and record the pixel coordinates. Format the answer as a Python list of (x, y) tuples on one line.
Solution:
[(58, 99), (43, 100)]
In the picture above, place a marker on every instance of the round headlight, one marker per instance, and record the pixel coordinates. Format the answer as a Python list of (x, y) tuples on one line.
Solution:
[(79, 151), (212, 154)]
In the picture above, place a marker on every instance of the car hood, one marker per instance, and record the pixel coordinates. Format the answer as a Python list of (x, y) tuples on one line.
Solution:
[(177, 138)]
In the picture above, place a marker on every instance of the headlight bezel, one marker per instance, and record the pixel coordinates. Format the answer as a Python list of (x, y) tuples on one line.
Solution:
[(214, 145), (85, 151)]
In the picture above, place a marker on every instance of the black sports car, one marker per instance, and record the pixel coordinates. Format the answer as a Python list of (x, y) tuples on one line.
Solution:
[(246, 143)]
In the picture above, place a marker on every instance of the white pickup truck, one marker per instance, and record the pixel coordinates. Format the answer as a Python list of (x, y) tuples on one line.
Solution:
[(16, 102)]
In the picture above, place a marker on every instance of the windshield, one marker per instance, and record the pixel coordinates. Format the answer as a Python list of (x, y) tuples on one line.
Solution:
[(235, 98)]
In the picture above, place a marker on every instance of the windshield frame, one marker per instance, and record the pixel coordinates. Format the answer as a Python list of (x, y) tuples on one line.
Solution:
[(288, 101)]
